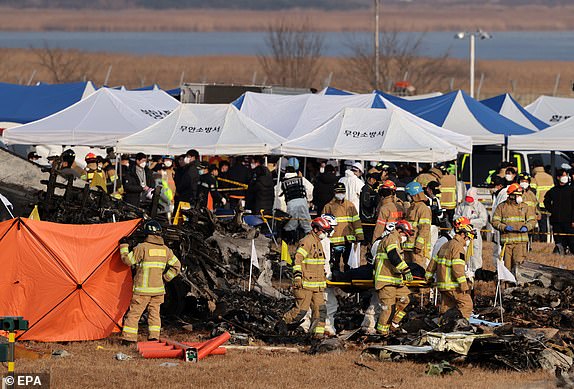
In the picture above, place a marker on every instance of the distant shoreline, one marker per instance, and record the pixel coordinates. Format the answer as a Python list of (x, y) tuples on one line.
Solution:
[(408, 17)]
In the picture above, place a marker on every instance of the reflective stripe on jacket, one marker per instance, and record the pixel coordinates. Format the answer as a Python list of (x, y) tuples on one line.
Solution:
[(509, 213), (310, 263), (448, 264), (349, 227), (385, 272)]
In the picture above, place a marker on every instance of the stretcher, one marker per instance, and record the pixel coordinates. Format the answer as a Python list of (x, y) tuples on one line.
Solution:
[(369, 284)]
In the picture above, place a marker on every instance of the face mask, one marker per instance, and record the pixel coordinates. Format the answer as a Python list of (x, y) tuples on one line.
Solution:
[(564, 179), (321, 170), (322, 235), (518, 199), (167, 163), (253, 166), (403, 239), (340, 196), (187, 160), (142, 165), (524, 185), (469, 199), (509, 177)]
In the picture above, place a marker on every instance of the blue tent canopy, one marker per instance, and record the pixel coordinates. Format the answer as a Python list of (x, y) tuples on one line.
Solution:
[(508, 107), (459, 112), (334, 91), (24, 104)]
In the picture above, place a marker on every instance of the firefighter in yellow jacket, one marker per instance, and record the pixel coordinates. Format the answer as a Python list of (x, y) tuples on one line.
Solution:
[(434, 174), (309, 279), (513, 218), (154, 262), (349, 229), (448, 265), (447, 193), (418, 247), (389, 211), (390, 268)]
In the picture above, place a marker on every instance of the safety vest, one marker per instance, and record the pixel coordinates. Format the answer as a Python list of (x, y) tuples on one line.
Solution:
[(447, 193), (385, 273)]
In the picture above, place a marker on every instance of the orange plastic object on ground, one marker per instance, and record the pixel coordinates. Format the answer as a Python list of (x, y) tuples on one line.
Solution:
[(67, 280)]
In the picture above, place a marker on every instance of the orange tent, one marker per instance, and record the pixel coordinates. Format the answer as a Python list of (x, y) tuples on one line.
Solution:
[(67, 280)]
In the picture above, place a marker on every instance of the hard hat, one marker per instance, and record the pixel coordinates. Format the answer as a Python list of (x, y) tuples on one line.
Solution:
[(340, 188), (388, 184), (466, 228), (514, 189), (293, 162), (330, 218), (90, 156), (152, 227), (463, 220), (413, 188), (321, 224), (404, 226), (68, 156)]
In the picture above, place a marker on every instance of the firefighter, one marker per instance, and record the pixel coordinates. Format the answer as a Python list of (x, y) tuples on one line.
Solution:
[(390, 268), (349, 229), (154, 263), (309, 279), (418, 247), (93, 172), (529, 195), (541, 182), (389, 210), (369, 202), (449, 267), (434, 174), (448, 198), (514, 219)]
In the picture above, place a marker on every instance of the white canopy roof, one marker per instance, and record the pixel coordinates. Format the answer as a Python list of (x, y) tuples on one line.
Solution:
[(371, 134), (557, 137), (209, 128), (98, 120), (552, 109), (295, 116)]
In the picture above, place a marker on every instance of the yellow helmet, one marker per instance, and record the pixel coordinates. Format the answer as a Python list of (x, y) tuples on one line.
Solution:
[(466, 228)]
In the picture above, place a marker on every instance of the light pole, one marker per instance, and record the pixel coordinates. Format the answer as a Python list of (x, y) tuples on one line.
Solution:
[(377, 52), (472, 37)]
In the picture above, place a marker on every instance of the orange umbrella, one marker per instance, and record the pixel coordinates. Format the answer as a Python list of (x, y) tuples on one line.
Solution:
[(67, 280)]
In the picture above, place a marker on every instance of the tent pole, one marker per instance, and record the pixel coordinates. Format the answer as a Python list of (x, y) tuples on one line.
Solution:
[(278, 167), (305, 167), (117, 167), (471, 167)]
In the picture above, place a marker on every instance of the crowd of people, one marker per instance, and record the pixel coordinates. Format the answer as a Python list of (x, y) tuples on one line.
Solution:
[(413, 222)]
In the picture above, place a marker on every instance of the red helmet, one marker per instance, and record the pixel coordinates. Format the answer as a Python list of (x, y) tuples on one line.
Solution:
[(404, 226), (90, 156), (463, 220), (388, 184), (514, 189), (321, 224)]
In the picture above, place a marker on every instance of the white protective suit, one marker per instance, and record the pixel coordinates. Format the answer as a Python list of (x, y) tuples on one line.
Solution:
[(478, 216), (353, 186), (329, 294)]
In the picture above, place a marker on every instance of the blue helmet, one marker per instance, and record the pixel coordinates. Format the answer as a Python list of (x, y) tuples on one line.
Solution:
[(413, 188)]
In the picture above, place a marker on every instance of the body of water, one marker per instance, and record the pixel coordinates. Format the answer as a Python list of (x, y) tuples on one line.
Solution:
[(512, 45)]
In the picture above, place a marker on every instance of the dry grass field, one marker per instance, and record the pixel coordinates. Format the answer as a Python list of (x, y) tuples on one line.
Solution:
[(531, 78), (405, 17), (92, 364)]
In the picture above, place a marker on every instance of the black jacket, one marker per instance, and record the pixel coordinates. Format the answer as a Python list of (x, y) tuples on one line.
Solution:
[(324, 190), (368, 203), (208, 184), (239, 173), (558, 201), (261, 193), (132, 185), (186, 182)]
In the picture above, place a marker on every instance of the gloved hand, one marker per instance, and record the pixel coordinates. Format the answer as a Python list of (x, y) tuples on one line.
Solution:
[(523, 229), (124, 240), (408, 275), (149, 194), (223, 201), (297, 283), (509, 229)]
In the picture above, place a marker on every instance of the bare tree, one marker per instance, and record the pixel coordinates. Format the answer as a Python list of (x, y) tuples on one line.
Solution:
[(399, 58), (62, 65), (293, 56)]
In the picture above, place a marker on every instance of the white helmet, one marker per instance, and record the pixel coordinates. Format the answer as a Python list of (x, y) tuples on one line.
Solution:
[(332, 221)]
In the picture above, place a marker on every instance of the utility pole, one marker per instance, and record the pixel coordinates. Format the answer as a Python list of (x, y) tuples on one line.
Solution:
[(472, 55), (377, 51)]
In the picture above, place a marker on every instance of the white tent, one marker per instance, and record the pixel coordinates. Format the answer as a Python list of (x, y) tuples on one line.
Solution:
[(215, 129), (552, 110), (371, 134), (295, 116), (557, 137), (98, 120)]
